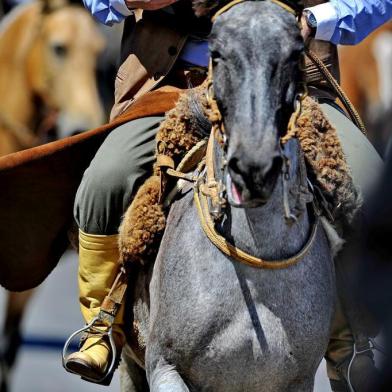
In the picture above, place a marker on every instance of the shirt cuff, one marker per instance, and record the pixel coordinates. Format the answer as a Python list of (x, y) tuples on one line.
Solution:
[(327, 19), (121, 7)]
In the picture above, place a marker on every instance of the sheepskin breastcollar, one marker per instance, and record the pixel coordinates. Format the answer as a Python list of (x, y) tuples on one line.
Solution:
[(184, 127), (327, 166), (326, 163), (208, 189)]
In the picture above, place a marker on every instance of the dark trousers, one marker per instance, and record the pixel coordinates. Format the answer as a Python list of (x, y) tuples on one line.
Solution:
[(121, 164)]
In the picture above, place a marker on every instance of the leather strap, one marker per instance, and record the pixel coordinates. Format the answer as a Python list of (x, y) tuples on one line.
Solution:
[(201, 202), (112, 302)]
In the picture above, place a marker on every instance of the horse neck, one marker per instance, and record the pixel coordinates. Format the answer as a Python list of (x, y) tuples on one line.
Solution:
[(263, 231)]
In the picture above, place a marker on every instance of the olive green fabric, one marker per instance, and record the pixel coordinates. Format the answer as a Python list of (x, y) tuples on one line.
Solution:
[(341, 343), (118, 168)]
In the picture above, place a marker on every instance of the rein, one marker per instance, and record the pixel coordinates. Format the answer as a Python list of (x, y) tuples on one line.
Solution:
[(207, 188)]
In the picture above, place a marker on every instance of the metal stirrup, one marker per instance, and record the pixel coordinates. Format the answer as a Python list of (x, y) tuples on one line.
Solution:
[(91, 327), (372, 346)]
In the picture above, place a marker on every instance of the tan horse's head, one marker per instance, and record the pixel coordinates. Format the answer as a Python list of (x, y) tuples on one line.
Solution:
[(48, 56), (62, 66)]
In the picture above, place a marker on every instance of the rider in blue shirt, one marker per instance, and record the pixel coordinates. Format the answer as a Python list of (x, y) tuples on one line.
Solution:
[(344, 22), (347, 22)]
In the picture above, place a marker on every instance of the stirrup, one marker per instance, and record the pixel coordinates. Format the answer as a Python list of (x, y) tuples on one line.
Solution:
[(92, 328), (373, 345)]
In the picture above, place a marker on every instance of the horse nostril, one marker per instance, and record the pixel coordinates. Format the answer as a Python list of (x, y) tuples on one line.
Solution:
[(273, 169), (233, 166), (248, 175), (236, 173), (235, 169)]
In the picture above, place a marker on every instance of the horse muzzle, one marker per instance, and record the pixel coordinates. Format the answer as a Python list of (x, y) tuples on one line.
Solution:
[(250, 185)]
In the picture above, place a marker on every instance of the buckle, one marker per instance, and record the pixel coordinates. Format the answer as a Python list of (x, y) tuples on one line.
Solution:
[(91, 327)]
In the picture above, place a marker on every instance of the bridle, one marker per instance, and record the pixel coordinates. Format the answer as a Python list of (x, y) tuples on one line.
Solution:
[(217, 197), (210, 192)]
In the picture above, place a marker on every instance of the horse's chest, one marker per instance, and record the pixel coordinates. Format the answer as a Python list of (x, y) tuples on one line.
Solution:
[(238, 343), (229, 327), (250, 351)]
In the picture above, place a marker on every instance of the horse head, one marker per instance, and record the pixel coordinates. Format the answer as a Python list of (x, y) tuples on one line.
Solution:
[(61, 66), (255, 77)]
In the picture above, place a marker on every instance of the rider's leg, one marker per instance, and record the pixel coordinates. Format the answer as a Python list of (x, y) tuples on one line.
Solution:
[(105, 192), (366, 167), (98, 255)]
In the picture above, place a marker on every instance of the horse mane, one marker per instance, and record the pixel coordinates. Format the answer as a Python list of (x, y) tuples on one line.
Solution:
[(197, 112), (204, 7), (21, 21)]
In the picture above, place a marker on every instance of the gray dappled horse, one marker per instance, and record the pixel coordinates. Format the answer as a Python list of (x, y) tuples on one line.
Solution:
[(211, 323)]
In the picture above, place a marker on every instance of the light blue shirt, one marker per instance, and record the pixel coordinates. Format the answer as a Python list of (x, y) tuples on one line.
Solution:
[(108, 11), (347, 22)]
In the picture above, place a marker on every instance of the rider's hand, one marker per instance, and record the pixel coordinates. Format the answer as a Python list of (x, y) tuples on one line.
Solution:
[(306, 31), (149, 5)]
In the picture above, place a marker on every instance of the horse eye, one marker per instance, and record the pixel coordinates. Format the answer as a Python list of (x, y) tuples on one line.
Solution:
[(59, 50)]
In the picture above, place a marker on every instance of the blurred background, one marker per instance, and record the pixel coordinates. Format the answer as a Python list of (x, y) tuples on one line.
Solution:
[(56, 102)]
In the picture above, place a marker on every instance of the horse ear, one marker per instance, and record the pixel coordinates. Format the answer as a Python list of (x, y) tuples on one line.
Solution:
[(204, 7), (49, 6)]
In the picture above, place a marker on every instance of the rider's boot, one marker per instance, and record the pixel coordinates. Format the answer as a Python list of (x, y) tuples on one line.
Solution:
[(98, 267), (348, 372)]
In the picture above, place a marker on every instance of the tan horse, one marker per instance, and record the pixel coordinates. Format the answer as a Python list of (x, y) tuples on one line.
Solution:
[(48, 55), (366, 76)]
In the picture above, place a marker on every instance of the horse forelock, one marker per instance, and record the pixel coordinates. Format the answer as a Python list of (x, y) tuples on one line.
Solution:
[(49, 6), (198, 114)]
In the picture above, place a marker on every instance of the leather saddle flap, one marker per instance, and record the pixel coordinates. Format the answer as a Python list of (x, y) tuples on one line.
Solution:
[(38, 187)]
